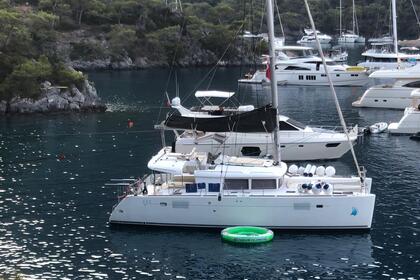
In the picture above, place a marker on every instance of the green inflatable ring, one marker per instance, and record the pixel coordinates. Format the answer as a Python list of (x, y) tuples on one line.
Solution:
[(247, 234)]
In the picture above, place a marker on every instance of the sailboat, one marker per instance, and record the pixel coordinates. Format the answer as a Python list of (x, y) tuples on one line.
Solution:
[(353, 35), (193, 190)]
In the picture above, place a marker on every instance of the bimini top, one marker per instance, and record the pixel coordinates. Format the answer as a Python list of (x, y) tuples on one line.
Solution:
[(214, 93), (405, 73)]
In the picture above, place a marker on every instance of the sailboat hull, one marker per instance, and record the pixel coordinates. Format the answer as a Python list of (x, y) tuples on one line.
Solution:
[(294, 212)]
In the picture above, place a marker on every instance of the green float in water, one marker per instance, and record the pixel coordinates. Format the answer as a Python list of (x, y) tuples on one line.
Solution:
[(247, 234)]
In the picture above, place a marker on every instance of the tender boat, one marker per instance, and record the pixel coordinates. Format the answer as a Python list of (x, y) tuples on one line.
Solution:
[(297, 65), (195, 190), (378, 127), (394, 95)]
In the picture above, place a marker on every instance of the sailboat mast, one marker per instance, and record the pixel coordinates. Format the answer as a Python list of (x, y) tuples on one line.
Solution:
[(274, 93), (341, 20), (394, 27), (354, 18)]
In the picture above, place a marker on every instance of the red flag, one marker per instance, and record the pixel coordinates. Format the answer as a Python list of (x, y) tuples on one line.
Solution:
[(268, 71)]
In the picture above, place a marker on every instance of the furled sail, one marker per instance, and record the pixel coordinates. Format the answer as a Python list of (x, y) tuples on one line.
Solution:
[(259, 120)]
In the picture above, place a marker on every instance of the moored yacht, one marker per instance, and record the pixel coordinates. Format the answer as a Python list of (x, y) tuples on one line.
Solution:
[(395, 95), (410, 122), (297, 65), (298, 141), (350, 37), (309, 37), (194, 190), (381, 56)]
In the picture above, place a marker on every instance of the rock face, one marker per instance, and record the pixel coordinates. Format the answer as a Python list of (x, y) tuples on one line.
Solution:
[(56, 99)]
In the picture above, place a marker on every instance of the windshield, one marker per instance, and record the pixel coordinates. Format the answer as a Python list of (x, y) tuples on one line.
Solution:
[(297, 53), (296, 123)]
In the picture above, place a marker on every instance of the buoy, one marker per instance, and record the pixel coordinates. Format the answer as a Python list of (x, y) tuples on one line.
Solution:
[(130, 123), (320, 171), (330, 171), (247, 234), (293, 169), (307, 170)]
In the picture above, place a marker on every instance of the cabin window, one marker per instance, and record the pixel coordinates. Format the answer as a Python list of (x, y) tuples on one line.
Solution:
[(260, 184), (300, 77), (323, 75), (296, 68), (311, 77), (415, 84), (376, 100), (355, 75), (286, 126), (236, 184), (296, 123), (332, 145), (251, 151), (214, 187), (337, 75)]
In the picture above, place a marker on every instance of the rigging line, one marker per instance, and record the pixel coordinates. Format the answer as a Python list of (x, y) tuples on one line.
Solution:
[(78, 134), (172, 64), (337, 104), (216, 64), (278, 15), (415, 13)]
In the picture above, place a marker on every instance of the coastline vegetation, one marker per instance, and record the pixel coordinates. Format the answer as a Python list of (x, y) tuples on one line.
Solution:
[(40, 38)]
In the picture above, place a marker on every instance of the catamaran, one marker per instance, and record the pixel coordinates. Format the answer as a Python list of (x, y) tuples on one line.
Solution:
[(195, 190), (353, 35)]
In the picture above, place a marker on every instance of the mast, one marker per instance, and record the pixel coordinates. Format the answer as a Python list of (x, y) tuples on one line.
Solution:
[(394, 27), (274, 93), (354, 18), (341, 20)]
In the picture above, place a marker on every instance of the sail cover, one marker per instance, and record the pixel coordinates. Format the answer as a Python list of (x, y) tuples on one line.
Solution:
[(259, 120)]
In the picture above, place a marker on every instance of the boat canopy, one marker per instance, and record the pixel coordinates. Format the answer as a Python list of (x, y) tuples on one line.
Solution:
[(259, 120), (213, 93)]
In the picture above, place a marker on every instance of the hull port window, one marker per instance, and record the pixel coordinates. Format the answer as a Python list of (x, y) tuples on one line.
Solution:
[(251, 151), (332, 145), (263, 184), (236, 184)]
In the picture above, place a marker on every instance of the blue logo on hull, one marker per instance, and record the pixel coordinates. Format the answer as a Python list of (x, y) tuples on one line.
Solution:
[(354, 211)]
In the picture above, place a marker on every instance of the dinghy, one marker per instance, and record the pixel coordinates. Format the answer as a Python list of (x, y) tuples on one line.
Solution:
[(415, 137), (378, 127)]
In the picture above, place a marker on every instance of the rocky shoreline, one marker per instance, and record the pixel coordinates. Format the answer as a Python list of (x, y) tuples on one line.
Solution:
[(56, 99)]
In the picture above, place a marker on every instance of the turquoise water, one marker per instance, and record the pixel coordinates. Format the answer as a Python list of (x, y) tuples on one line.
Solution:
[(54, 206)]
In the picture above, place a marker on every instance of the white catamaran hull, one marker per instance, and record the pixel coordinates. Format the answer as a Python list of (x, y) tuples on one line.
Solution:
[(348, 78), (294, 212), (383, 96)]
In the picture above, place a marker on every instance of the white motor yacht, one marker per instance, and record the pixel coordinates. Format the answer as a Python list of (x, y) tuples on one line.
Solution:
[(298, 142), (410, 122), (297, 65), (309, 37), (384, 39), (193, 190), (395, 95), (381, 56)]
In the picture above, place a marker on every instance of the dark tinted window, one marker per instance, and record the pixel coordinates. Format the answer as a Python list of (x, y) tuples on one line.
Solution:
[(236, 184), (259, 184), (286, 126), (295, 68), (251, 151), (415, 84)]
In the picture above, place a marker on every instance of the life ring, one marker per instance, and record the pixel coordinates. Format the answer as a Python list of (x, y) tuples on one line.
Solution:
[(247, 234)]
